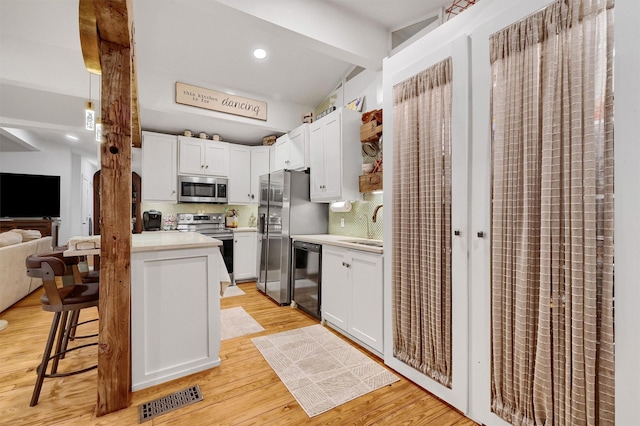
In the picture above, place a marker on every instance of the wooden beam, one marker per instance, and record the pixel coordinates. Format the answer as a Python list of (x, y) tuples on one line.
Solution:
[(89, 40), (112, 16), (107, 39)]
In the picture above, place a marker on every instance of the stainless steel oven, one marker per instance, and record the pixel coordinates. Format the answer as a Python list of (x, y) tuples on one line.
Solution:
[(211, 225)]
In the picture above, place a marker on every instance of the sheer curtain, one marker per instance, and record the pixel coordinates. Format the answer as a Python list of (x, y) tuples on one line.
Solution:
[(552, 217), (421, 233)]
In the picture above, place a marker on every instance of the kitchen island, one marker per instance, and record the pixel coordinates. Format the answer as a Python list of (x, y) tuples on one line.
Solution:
[(175, 303)]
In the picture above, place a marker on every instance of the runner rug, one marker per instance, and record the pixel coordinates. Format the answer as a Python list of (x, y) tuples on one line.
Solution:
[(321, 370), (236, 322)]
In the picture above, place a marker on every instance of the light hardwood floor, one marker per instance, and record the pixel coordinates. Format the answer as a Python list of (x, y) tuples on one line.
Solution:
[(243, 390)]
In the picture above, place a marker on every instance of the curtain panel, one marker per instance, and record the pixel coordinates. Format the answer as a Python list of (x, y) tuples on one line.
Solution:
[(421, 234), (552, 217)]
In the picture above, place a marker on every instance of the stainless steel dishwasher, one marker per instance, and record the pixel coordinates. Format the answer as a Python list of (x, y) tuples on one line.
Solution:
[(306, 277)]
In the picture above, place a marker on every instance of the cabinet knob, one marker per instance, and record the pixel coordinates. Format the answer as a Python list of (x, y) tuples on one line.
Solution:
[(206, 167), (480, 234), (456, 232)]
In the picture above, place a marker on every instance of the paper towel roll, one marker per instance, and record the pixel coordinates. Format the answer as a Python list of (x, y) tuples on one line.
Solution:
[(341, 206)]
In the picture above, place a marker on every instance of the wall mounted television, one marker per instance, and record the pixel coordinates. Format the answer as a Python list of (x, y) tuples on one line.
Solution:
[(29, 196)]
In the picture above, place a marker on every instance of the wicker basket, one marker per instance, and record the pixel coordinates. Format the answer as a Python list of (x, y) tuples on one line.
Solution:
[(269, 140)]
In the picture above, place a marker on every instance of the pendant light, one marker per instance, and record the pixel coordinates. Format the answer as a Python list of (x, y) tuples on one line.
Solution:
[(99, 120), (89, 113), (98, 130)]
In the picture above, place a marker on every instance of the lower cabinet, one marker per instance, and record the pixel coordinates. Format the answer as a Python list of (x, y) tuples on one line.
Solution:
[(352, 294), (244, 255)]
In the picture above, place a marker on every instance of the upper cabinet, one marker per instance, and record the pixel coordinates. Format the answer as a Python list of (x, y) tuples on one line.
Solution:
[(246, 165), (291, 150), (299, 152), (159, 171), (239, 189), (282, 153), (202, 157), (335, 156), (259, 166)]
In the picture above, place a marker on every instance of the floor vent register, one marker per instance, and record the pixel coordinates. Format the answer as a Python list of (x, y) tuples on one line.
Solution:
[(151, 409)]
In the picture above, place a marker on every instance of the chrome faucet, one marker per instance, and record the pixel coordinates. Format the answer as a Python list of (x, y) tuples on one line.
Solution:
[(375, 213)]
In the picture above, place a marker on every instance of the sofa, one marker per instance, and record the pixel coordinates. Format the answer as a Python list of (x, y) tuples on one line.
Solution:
[(15, 246)]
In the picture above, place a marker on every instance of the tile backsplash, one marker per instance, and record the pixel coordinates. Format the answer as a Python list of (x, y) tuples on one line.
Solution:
[(359, 220), (244, 212)]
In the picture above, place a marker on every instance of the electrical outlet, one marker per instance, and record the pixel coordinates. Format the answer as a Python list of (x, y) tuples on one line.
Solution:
[(342, 222)]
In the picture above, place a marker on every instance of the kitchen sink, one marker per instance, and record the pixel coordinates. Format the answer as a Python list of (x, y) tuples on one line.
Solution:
[(372, 243)]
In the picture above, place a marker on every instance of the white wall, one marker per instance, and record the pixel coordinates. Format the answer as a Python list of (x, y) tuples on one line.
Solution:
[(368, 84), (57, 160), (474, 23)]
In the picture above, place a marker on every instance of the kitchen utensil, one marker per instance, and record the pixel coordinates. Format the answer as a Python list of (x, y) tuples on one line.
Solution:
[(370, 148), (378, 167)]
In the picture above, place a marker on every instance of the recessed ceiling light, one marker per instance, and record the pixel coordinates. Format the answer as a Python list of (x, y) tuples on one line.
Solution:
[(260, 53), (73, 138)]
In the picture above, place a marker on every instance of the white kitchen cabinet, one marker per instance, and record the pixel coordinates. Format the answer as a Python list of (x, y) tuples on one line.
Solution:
[(239, 189), (282, 153), (366, 313), (299, 148), (244, 255), (272, 158), (202, 157), (335, 304), (246, 165), (352, 294), (292, 150), (259, 166), (159, 167), (335, 156)]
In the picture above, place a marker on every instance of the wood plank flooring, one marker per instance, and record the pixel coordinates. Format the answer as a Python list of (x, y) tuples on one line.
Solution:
[(243, 390)]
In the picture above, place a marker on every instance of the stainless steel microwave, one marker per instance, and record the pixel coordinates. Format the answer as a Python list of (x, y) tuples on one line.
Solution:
[(202, 189)]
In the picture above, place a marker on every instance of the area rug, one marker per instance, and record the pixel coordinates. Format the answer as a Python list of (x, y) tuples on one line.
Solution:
[(233, 290), (321, 370), (236, 322)]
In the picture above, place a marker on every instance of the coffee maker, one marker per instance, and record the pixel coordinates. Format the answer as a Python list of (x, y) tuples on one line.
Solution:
[(151, 220)]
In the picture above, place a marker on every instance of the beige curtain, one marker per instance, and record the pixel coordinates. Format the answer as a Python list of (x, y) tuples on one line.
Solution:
[(552, 217), (421, 255)]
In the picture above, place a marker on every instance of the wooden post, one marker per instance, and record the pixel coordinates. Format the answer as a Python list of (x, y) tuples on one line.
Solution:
[(106, 31), (114, 354)]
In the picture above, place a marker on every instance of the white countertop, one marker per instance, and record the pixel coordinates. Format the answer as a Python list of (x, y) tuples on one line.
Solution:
[(157, 240), (340, 241)]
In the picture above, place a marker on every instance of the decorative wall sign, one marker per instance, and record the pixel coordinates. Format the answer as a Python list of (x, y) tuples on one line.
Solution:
[(220, 102)]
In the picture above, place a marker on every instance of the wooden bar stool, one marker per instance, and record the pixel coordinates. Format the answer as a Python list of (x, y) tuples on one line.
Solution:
[(60, 301), (77, 272)]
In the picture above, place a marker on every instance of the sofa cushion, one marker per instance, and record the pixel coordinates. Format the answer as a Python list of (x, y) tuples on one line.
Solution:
[(14, 282), (28, 234), (10, 238)]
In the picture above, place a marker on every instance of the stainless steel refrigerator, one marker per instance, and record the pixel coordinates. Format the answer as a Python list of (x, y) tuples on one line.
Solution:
[(284, 210)]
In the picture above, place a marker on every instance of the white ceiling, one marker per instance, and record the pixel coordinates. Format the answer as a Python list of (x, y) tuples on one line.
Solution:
[(311, 44)]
